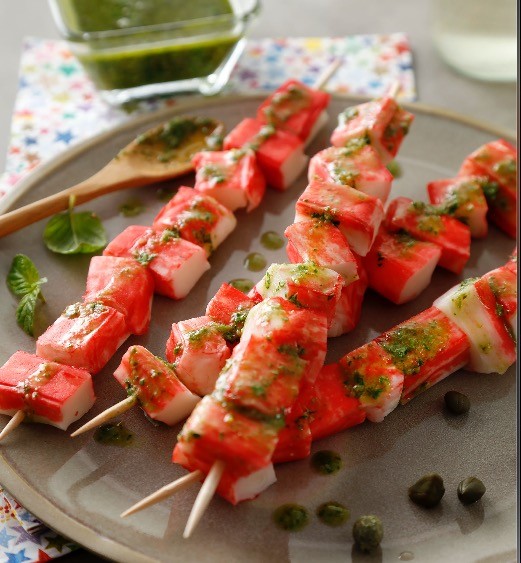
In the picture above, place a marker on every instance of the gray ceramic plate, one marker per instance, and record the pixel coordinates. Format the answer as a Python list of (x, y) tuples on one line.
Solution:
[(79, 487)]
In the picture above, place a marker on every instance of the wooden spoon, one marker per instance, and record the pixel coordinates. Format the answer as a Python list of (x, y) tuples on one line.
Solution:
[(160, 153)]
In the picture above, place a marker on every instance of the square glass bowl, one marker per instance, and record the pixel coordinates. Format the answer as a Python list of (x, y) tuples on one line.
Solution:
[(134, 49)]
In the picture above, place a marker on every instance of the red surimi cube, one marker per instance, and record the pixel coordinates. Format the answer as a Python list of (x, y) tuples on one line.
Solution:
[(329, 407), (382, 121), (324, 245), (45, 391), (369, 375), (262, 376), (306, 285), (121, 245), (349, 307), (124, 285), (86, 335), (498, 162), (226, 305), (295, 438), (197, 218), (426, 348), (452, 236), (357, 215), (155, 385), (232, 177), (359, 167), (280, 154), (295, 108), (175, 264), (492, 348), (462, 198), (197, 349), (217, 432), (399, 267)]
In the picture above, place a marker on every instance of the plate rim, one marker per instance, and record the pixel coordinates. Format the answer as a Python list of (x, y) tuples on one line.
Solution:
[(29, 497), (7, 201)]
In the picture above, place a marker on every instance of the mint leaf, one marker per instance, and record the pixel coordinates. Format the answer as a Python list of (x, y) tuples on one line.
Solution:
[(74, 233), (24, 281)]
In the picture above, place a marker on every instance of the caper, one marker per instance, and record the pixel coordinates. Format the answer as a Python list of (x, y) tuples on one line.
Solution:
[(368, 533), (471, 490), (428, 491), (456, 402)]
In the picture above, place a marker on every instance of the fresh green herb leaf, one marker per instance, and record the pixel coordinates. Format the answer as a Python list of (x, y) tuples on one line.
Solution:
[(395, 169), (24, 281), (74, 233)]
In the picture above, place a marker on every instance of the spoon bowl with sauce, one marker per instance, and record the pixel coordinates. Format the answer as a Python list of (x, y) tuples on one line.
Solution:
[(161, 153)]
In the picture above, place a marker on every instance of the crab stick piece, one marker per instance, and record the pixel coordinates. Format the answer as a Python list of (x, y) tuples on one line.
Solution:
[(295, 108), (381, 121), (357, 165), (423, 223), (426, 348), (197, 218), (198, 350), (501, 283), (462, 198), (231, 177), (357, 215), (322, 244), (280, 154), (217, 431), (175, 264), (349, 307), (369, 375), (399, 267), (86, 336), (497, 161), (155, 386), (305, 285), (44, 391), (229, 306), (492, 348), (295, 438), (124, 285)]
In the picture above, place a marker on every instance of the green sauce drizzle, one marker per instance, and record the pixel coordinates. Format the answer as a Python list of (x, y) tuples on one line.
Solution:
[(326, 462), (242, 284), (272, 240), (114, 435), (255, 262), (291, 517), (131, 207), (333, 513)]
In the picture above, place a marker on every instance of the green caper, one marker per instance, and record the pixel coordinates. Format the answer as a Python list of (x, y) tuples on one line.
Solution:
[(368, 533), (428, 491), (471, 490), (456, 402)]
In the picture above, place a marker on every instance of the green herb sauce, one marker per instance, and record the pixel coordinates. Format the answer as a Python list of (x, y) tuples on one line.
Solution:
[(114, 435), (272, 240), (131, 208), (242, 284), (153, 55), (326, 462), (333, 513), (255, 262), (291, 517)]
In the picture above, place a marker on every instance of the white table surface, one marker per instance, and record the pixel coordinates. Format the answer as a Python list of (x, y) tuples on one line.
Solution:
[(437, 84)]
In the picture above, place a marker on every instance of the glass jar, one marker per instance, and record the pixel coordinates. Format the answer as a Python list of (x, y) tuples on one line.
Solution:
[(477, 37), (139, 48)]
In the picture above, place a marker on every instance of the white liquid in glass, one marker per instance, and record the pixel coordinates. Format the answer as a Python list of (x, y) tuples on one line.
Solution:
[(478, 37)]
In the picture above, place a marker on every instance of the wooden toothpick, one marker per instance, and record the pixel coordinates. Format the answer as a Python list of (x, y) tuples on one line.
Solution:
[(15, 421), (106, 415), (204, 497), (394, 90), (164, 492), (328, 72)]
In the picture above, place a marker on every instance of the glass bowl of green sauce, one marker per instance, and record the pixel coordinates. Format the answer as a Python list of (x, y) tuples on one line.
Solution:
[(134, 49)]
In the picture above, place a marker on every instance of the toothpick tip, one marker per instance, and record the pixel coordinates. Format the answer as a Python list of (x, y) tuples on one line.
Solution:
[(15, 421)]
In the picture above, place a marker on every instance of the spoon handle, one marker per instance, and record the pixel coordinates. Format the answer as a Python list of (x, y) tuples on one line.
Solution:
[(111, 178)]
